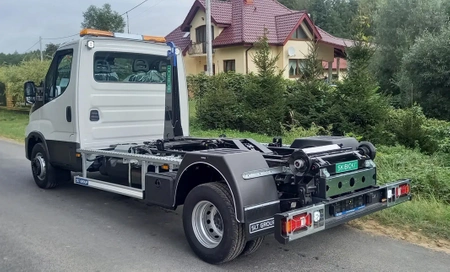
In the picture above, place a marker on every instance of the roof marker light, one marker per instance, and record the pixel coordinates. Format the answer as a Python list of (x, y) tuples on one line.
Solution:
[(90, 44), (154, 38), (101, 33), (96, 32)]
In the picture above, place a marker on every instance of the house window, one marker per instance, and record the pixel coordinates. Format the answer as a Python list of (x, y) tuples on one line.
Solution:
[(299, 34), (296, 67), (200, 33), (229, 65)]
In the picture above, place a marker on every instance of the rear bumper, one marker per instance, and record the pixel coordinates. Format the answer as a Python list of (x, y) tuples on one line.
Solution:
[(338, 211)]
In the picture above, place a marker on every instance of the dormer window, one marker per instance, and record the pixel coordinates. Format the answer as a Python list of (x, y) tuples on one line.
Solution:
[(299, 34)]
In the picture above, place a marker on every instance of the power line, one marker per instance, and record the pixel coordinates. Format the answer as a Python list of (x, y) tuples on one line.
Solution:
[(134, 7), (147, 9), (152, 6), (66, 37), (32, 46), (59, 38)]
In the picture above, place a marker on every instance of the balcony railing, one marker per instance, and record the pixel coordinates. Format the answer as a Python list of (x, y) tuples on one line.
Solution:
[(197, 49)]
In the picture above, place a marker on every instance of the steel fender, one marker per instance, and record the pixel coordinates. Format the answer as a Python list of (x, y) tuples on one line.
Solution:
[(231, 165)]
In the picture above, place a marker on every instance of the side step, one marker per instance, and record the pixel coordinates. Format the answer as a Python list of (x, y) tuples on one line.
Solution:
[(109, 187)]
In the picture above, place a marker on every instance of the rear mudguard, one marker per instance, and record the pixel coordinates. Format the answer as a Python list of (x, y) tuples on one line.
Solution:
[(254, 199)]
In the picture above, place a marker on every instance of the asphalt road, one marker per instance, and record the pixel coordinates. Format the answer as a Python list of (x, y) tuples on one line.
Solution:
[(73, 228)]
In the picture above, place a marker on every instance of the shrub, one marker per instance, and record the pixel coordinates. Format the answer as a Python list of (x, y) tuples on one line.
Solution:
[(251, 103), (430, 174), (309, 102), (411, 128), (217, 100), (15, 76)]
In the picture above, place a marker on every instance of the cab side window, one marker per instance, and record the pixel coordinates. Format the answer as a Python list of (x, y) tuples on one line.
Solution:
[(58, 76)]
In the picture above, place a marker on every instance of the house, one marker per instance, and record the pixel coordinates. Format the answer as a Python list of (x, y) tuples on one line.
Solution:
[(338, 69), (238, 24)]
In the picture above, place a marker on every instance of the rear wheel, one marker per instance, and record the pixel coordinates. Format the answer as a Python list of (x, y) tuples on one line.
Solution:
[(210, 224), (252, 246), (45, 175)]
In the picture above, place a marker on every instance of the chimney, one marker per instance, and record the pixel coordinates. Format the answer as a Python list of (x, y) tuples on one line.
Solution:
[(248, 2)]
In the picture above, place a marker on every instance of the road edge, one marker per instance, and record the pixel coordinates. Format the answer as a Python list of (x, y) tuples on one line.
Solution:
[(11, 141)]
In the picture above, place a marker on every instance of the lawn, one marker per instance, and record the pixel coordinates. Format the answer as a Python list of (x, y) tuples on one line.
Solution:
[(428, 213), (12, 124)]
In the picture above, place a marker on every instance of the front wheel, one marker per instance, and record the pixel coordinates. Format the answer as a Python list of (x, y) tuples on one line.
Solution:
[(45, 175), (210, 224)]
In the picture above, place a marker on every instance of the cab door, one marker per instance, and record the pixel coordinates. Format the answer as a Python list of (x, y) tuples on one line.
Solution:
[(58, 116)]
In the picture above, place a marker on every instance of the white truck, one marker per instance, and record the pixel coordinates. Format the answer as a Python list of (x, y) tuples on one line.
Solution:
[(115, 104)]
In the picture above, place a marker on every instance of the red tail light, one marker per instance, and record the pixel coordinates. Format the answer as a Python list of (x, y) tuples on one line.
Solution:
[(402, 190), (298, 222)]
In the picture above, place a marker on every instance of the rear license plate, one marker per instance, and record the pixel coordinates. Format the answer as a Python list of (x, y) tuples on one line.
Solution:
[(346, 166)]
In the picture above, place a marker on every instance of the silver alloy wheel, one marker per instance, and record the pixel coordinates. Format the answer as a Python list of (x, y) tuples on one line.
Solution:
[(207, 224), (39, 166)]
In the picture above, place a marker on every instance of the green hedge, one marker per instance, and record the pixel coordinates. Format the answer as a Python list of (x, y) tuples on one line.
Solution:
[(270, 107), (238, 102)]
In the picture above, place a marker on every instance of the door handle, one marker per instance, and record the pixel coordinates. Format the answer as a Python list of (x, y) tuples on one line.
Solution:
[(68, 114)]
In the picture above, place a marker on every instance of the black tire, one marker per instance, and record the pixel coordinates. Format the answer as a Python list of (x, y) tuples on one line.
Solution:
[(252, 246), (52, 175), (233, 238)]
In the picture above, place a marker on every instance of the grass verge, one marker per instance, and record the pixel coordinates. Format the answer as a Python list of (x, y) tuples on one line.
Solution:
[(12, 124), (428, 214)]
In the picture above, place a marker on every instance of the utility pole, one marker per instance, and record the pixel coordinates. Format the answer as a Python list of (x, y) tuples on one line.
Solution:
[(40, 48), (209, 62), (128, 23)]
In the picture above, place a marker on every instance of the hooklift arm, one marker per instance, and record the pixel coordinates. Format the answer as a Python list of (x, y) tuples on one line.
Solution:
[(172, 125)]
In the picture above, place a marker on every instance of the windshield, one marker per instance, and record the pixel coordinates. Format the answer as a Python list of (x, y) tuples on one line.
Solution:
[(129, 67)]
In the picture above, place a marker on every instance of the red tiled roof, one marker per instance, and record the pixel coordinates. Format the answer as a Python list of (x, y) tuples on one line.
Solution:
[(249, 21), (220, 10), (245, 23), (220, 13), (328, 38), (180, 38), (342, 64), (286, 23)]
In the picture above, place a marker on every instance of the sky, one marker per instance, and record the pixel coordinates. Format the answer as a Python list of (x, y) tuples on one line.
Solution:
[(23, 21)]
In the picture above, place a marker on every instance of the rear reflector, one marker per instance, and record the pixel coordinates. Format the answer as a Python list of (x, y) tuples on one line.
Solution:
[(298, 222), (402, 190)]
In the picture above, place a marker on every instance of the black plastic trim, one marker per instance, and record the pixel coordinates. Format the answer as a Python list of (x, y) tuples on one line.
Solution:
[(63, 154), (231, 165), (39, 137)]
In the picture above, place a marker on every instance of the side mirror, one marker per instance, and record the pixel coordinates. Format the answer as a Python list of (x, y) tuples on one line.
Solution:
[(29, 92)]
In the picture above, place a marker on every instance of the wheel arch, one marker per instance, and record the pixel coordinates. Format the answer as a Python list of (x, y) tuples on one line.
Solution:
[(32, 139), (228, 166), (207, 173)]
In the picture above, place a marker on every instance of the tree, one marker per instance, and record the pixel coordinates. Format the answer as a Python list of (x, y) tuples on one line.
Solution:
[(398, 24), (308, 99), (425, 74), (103, 19), (263, 95), (50, 49), (263, 59), (297, 4), (359, 108)]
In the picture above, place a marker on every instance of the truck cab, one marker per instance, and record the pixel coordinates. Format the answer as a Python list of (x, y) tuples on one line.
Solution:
[(102, 89)]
